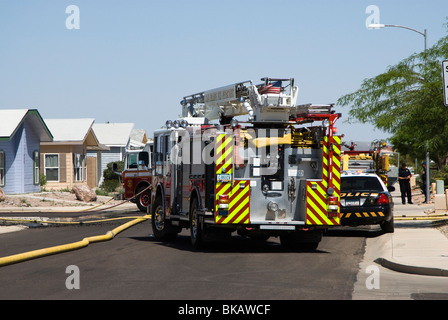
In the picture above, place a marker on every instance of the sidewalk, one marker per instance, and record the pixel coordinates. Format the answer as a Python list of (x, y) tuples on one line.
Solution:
[(416, 246)]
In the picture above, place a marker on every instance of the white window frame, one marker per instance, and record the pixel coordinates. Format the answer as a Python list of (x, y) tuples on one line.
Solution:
[(79, 172), (46, 167), (2, 168), (36, 167)]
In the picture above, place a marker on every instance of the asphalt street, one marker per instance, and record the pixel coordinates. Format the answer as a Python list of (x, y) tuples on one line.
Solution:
[(136, 266)]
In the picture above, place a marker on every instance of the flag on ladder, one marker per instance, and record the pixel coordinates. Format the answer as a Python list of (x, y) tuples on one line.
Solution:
[(271, 88)]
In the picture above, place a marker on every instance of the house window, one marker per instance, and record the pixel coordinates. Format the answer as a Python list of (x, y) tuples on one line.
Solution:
[(36, 166), (52, 167), (2, 168), (79, 165)]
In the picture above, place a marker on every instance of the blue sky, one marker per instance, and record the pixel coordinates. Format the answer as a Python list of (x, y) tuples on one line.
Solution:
[(133, 61)]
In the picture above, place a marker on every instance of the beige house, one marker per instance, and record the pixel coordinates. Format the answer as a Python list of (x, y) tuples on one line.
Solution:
[(64, 161)]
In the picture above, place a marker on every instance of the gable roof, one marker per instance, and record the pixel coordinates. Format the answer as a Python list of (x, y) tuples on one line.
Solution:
[(11, 120), (74, 131), (113, 134), (138, 138), (69, 130)]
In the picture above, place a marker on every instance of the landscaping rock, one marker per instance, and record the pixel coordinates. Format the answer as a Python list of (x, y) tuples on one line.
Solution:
[(84, 193)]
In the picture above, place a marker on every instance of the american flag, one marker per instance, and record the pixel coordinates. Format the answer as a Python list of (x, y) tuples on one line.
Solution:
[(271, 88)]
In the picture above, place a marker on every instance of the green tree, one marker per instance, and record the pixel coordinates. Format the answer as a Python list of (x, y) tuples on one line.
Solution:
[(407, 101)]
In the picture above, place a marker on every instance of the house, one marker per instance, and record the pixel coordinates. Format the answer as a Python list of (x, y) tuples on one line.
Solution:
[(138, 139), (116, 136), (21, 132), (64, 161)]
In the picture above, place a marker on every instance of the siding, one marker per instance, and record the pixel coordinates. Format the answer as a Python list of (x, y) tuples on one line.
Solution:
[(31, 144), (114, 154), (19, 164)]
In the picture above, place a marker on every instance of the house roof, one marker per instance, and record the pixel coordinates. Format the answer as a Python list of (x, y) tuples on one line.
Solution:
[(138, 138), (74, 131), (113, 134), (11, 119), (69, 129)]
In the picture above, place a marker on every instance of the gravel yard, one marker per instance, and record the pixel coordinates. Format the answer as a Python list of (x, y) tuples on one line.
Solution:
[(51, 199)]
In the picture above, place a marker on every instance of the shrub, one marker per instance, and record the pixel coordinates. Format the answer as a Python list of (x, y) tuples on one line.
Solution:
[(111, 180)]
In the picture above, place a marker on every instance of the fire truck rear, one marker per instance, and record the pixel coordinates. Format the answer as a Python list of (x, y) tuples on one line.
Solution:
[(275, 174), (374, 160)]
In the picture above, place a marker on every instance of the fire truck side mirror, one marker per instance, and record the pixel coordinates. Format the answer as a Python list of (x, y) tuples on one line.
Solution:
[(143, 158), (114, 167)]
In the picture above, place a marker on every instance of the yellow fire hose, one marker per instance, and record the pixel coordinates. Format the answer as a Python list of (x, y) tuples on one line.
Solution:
[(75, 245), (71, 246), (101, 204)]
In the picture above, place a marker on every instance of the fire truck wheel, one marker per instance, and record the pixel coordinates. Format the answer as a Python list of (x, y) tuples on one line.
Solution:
[(161, 227), (143, 201), (196, 230)]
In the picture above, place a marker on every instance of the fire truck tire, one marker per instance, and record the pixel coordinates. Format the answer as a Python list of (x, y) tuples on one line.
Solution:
[(161, 227), (143, 201), (301, 240), (196, 230)]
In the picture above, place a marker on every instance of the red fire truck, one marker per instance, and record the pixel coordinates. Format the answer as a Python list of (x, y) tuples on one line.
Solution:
[(137, 177), (276, 173)]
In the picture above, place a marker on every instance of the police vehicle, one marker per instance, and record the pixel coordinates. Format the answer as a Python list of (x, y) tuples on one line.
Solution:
[(365, 200)]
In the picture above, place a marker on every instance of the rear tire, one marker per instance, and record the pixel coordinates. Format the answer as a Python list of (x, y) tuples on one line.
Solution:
[(196, 227), (388, 226)]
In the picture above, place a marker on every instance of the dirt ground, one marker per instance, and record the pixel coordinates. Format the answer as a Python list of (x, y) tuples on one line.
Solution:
[(50, 199)]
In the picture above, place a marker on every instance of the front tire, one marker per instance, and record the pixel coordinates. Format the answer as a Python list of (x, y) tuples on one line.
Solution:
[(161, 227), (143, 201)]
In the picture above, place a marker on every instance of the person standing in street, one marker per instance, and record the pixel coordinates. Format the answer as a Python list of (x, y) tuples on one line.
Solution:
[(404, 178)]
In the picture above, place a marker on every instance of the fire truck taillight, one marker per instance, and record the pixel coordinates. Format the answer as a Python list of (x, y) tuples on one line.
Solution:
[(223, 204), (223, 201), (333, 206)]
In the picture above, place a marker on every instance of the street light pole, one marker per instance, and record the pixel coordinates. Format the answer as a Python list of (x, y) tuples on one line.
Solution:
[(425, 35)]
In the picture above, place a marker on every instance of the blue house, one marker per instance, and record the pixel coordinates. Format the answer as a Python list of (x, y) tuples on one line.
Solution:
[(21, 132)]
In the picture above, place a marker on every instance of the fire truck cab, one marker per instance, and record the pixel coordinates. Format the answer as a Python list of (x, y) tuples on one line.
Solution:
[(137, 177), (275, 174)]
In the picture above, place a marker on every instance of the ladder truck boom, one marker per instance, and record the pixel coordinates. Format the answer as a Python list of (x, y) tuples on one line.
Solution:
[(270, 100)]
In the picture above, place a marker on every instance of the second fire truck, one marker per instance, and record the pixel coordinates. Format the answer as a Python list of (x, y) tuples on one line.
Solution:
[(276, 173)]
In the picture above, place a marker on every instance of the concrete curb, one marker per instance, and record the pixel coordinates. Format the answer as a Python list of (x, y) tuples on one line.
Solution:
[(411, 269)]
